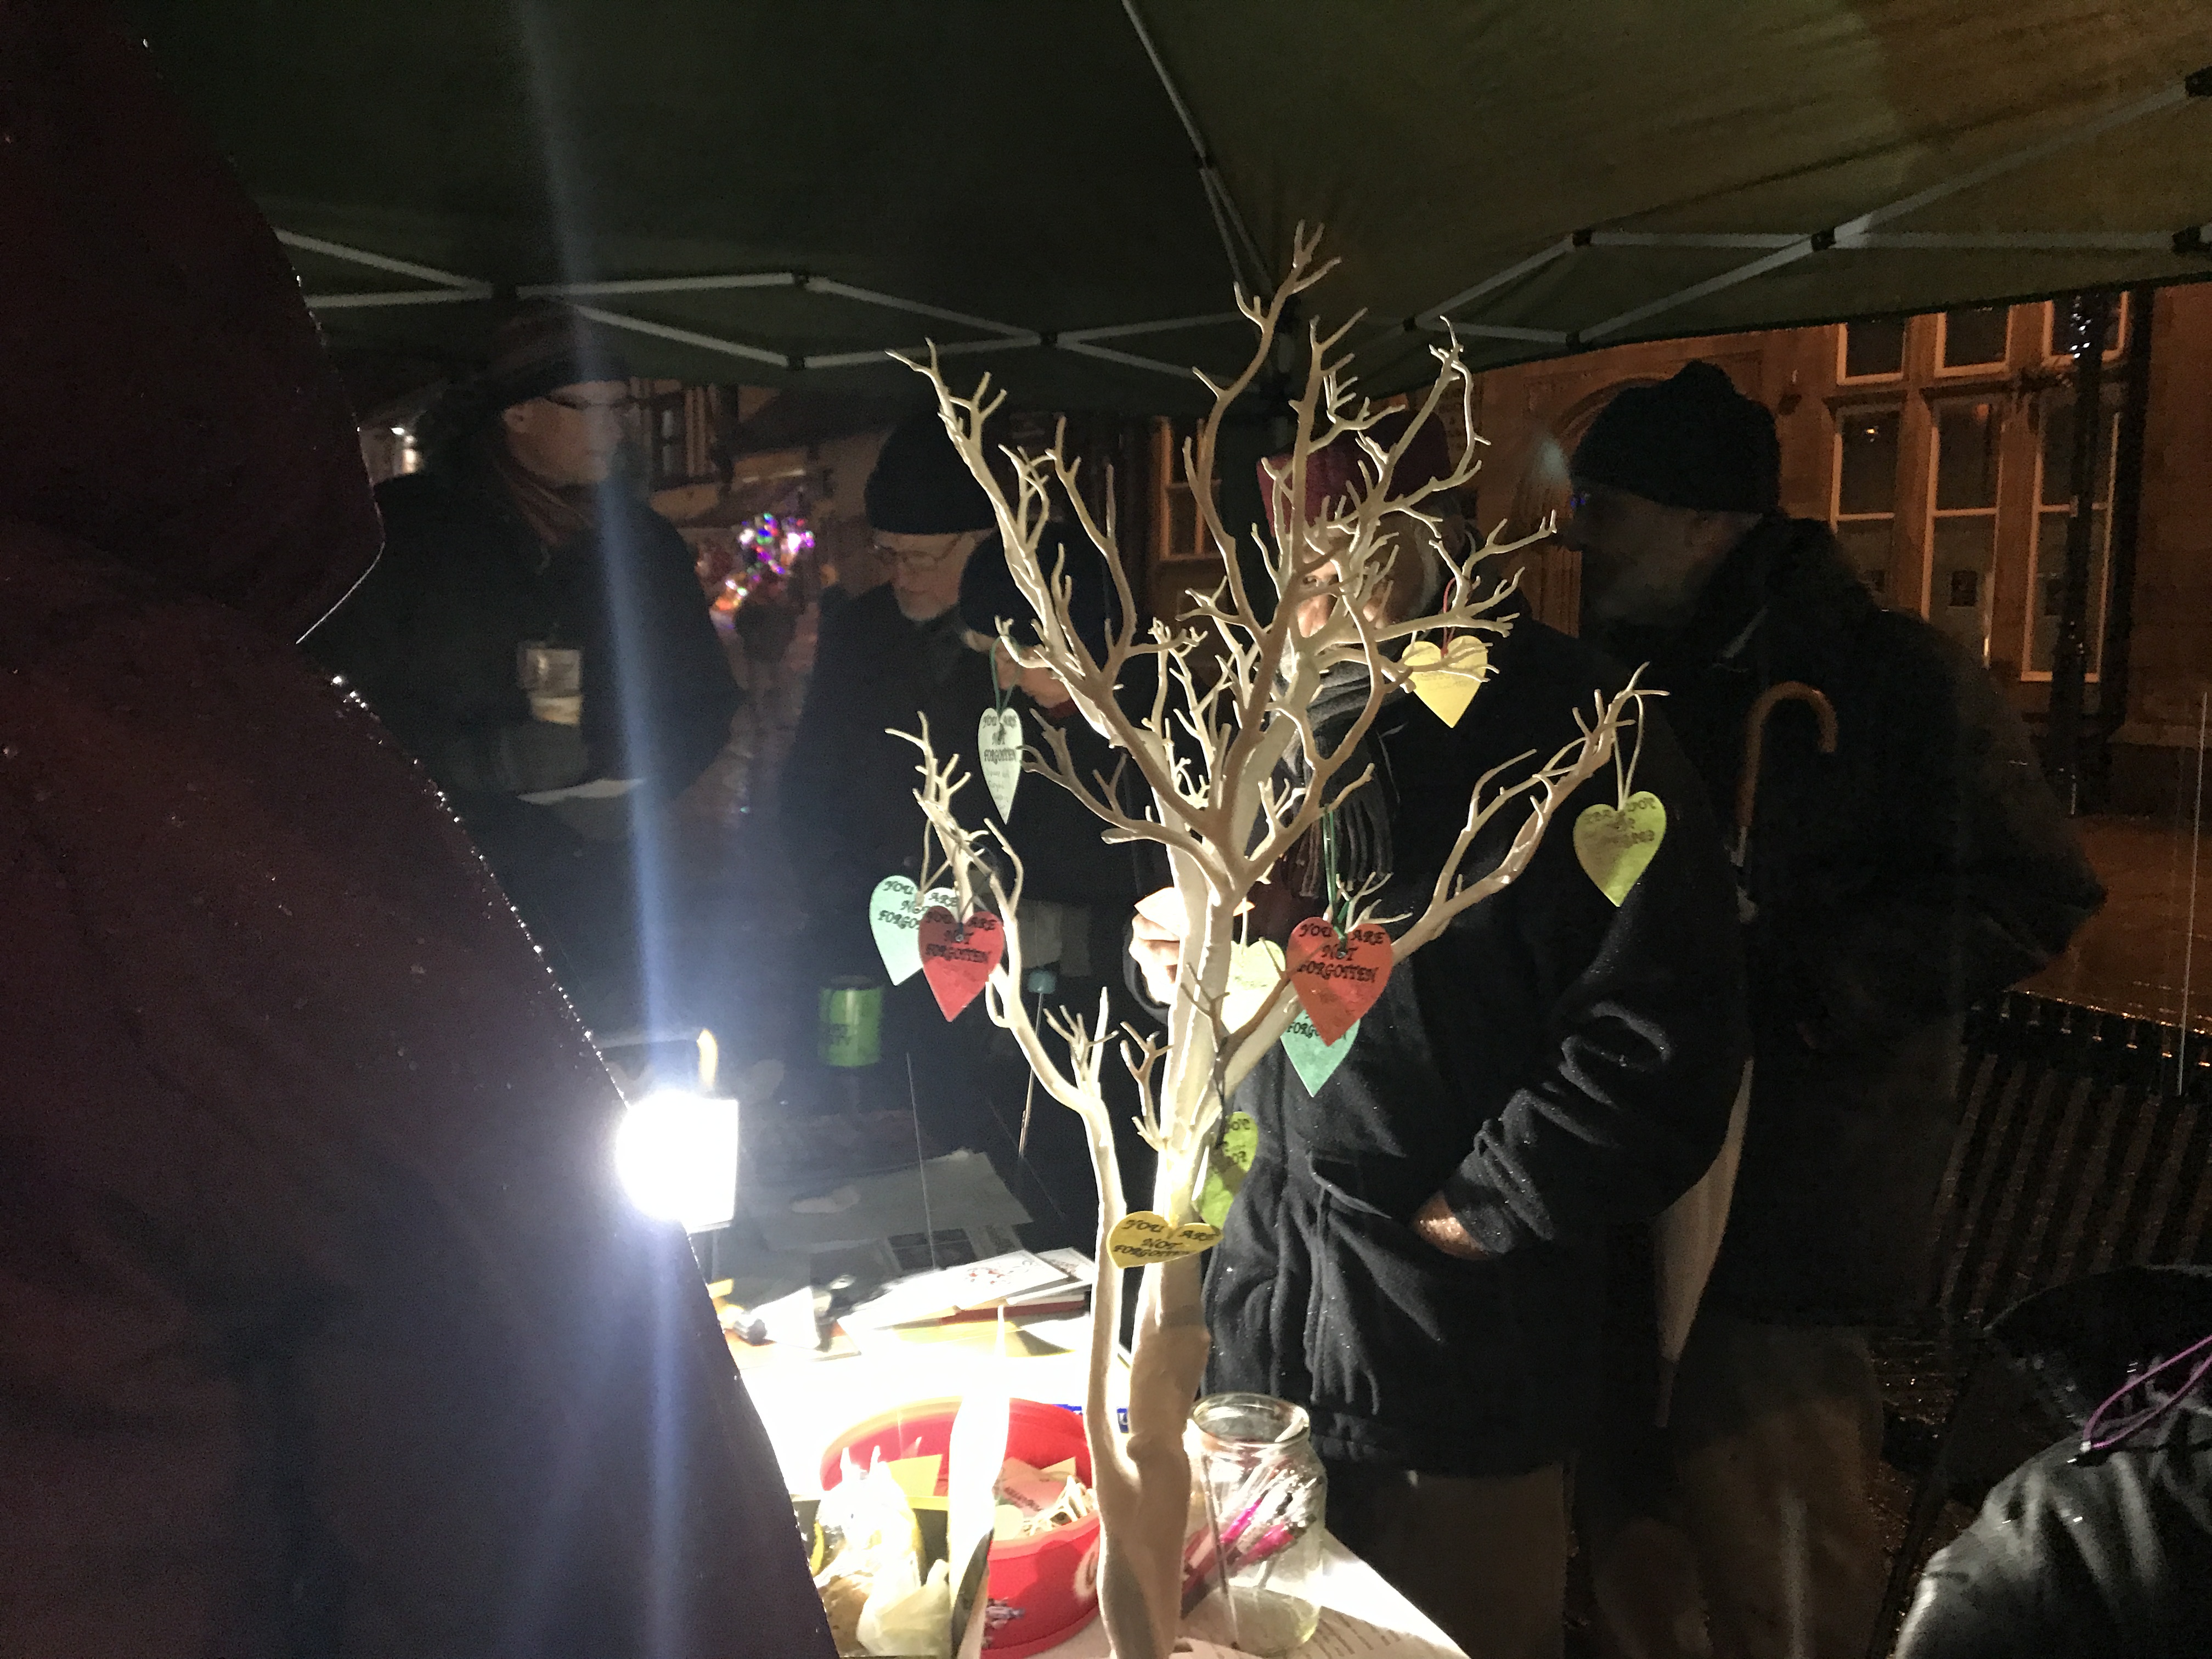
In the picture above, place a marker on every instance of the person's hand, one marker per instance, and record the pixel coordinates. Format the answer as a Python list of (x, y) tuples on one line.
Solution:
[(1155, 941), (1436, 1223)]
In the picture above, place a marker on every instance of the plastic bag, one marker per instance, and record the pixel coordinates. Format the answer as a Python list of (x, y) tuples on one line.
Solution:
[(873, 1544), (909, 1619)]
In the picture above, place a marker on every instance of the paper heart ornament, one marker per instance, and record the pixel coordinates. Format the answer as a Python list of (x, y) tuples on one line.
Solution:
[(1337, 979), (998, 754), (1254, 971), (894, 916), (1143, 1237), (1314, 1060), (957, 957), (1446, 677), (1240, 1139), (1616, 845), (1226, 1166)]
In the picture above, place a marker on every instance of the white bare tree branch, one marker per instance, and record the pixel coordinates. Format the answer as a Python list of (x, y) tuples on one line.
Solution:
[(1233, 774)]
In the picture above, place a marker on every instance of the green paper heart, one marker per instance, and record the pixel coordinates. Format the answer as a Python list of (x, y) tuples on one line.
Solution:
[(895, 918), (1314, 1060), (999, 756), (1226, 1167), (1616, 847)]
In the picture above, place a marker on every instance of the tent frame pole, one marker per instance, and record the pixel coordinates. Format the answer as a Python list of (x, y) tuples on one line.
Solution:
[(1786, 248), (2089, 318), (1245, 265), (2114, 669)]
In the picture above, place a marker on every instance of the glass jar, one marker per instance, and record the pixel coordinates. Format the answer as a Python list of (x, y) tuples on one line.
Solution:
[(1259, 1496)]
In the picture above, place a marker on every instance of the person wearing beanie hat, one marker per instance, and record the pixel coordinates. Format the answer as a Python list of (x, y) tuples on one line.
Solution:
[(890, 660), (533, 628), (928, 514), (1920, 867)]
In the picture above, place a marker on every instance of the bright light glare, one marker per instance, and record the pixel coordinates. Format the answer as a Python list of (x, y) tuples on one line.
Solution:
[(678, 1156)]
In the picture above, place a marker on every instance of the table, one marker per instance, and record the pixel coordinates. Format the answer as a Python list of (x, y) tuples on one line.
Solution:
[(805, 1401)]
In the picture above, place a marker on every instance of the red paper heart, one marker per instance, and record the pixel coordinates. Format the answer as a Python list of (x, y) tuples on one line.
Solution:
[(957, 957), (1337, 979)]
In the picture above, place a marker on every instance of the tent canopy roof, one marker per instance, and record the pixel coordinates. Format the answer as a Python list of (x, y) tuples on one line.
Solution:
[(777, 194)]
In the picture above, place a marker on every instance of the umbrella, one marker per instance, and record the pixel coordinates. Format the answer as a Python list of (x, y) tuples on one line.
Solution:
[(777, 194)]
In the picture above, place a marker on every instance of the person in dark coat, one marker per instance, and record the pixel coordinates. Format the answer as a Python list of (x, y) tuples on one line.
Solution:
[(1416, 1255), (2101, 1546), (888, 660), (1922, 866), (324, 1328), (514, 556), (1078, 891)]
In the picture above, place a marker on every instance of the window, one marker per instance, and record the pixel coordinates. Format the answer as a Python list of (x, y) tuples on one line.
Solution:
[(1865, 509), (2054, 330), (677, 425), (2053, 516), (1963, 522), (1974, 338), (1873, 349), (1178, 534)]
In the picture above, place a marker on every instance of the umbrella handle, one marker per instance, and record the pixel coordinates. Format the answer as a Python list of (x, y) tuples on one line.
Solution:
[(1754, 745)]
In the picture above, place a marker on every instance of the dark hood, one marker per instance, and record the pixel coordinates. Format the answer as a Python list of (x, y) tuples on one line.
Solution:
[(170, 404)]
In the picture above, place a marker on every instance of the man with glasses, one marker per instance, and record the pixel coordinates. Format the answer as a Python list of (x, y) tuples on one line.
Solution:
[(889, 659), (536, 637)]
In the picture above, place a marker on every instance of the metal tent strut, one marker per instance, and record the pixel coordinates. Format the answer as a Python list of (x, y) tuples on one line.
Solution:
[(1784, 248), (449, 287), (1245, 265), (1775, 251)]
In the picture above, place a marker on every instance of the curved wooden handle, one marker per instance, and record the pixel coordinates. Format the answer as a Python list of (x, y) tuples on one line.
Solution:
[(1755, 740)]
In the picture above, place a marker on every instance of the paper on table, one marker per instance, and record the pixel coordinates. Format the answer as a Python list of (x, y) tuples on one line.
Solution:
[(1073, 1263), (1361, 1618), (950, 1289)]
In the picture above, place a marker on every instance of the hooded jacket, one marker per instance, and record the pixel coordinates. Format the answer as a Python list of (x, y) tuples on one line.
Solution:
[(1553, 1064), (324, 1327), (2107, 1556), (1922, 866)]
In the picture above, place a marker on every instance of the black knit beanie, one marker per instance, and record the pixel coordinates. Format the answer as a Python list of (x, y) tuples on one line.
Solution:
[(1694, 441), (987, 592), (920, 486)]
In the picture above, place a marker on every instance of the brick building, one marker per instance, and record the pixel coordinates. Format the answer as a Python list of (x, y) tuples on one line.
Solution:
[(1938, 447)]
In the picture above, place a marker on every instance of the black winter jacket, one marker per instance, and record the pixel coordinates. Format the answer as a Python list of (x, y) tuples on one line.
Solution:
[(429, 642), (2106, 1557), (1553, 1063), (1921, 867), (848, 813)]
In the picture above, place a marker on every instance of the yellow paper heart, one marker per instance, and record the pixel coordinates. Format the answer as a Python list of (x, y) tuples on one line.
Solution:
[(1615, 846), (1254, 971), (1143, 1237), (1447, 678)]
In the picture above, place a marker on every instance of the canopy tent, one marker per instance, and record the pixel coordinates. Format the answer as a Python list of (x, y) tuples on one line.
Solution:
[(776, 194)]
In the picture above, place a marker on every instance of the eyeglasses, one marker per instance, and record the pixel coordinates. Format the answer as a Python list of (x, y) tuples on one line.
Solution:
[(616, 407), (915, 559)]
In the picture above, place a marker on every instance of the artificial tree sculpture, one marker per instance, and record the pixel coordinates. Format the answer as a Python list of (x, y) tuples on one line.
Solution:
[(1233, 775)]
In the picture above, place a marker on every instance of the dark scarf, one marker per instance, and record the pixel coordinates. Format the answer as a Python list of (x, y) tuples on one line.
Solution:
[(557, 515), (1358, 820)]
